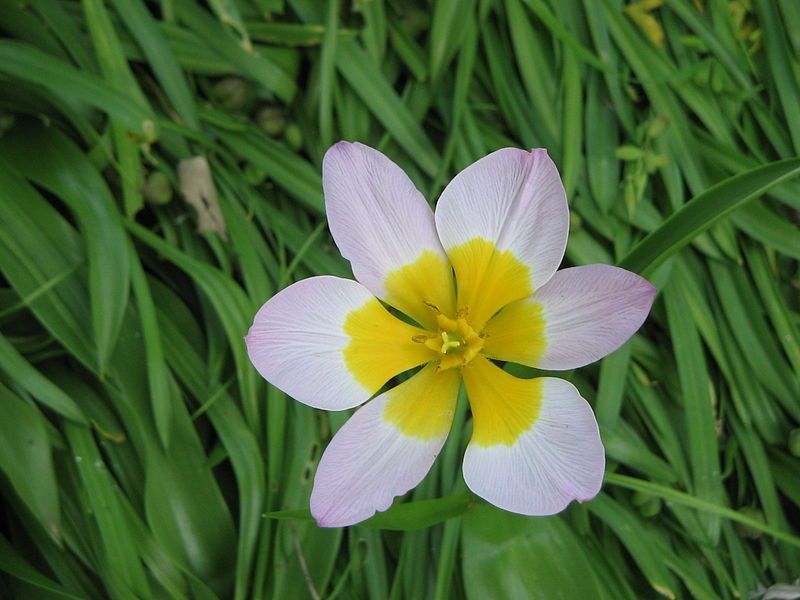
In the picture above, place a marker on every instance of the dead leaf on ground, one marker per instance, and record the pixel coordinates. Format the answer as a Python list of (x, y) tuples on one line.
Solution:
[(198, 189)]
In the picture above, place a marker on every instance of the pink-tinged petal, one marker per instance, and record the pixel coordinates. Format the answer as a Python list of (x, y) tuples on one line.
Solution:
[(504, 222), (385, 228), (329, 343), (385, 449), (581, 315), (557, 459)]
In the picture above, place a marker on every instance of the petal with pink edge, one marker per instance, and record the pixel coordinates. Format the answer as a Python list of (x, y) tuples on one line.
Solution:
[(537, 448), (581, 315), (504, 222), (385, 228), (385, 449), (329, 343)]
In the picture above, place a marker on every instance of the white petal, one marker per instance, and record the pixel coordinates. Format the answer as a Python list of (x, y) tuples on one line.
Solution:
[(556, 459), (504, 222), (330, 344), (385, 449), (581, 315), (381, 224)]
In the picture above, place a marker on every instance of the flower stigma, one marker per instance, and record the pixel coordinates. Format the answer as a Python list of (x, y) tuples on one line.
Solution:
[(456, 342)]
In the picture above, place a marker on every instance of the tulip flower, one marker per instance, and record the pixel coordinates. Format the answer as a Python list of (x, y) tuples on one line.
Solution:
[(453, 295)]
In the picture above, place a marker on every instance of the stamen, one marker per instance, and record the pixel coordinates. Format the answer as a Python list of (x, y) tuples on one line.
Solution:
[(433, 307), (457, 343), (447, 324), (464, 329)]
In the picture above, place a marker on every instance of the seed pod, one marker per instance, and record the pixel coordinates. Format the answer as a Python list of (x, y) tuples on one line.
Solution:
[(7, 120), (293, 136), (157, 188), (794, 442), (747, 531), (629, 152), (648, 504), (232, 93), (272, 120)]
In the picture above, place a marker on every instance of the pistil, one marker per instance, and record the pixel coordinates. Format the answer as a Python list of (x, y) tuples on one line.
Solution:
[(456, 342)]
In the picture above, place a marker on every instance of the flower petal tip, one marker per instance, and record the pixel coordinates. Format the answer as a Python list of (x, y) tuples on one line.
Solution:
[(337, 151), (341, 145), (646, 293), (342, 148), (324, 523)]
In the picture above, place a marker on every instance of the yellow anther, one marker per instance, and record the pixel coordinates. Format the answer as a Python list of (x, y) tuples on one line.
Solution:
[(433, 307), (457, 342)]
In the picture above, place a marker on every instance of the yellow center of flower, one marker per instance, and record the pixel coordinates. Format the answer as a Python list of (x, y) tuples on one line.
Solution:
[(456, 342)]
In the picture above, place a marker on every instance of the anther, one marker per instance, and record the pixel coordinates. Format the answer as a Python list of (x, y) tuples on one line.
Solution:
[(433, 307)]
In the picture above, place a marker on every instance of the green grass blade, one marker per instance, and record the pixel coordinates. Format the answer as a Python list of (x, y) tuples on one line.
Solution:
[(257, 66), (37, 245), (14, 563), (700, 418), (780, 63), (54, 162), (327, 72), (229, 302), (25, 375), (31, 64), (160, 57), (377, 94), (511, 556), (703, 211), (26, 460), (684, 499), (161, 397), (446, 32)]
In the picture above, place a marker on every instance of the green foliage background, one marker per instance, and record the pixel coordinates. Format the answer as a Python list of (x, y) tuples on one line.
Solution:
[(141, 455)]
